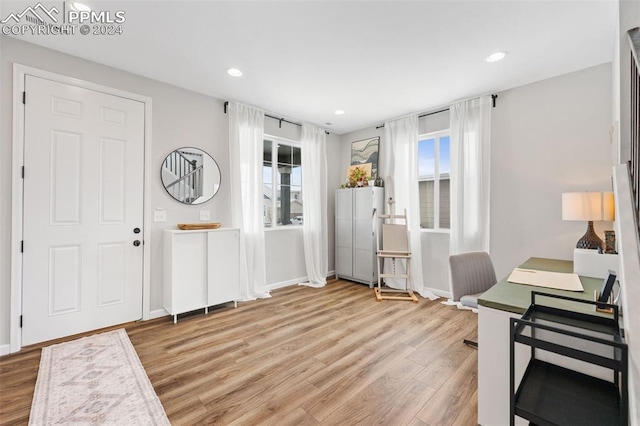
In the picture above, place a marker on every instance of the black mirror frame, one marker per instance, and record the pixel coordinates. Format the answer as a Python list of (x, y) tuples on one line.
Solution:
[(194, 179)]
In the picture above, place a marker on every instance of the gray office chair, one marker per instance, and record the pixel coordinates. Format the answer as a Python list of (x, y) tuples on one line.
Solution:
[(471, 275)]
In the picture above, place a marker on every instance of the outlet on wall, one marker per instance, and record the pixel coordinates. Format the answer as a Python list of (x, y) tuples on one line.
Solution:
[(159, 215), (205, 215)]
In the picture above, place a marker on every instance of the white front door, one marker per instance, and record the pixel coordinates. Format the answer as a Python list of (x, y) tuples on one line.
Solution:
[(83, 202)]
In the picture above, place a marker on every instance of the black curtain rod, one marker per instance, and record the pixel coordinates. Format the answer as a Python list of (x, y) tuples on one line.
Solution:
[(421, 115), (281, 120), (434, 112), (493, 104)]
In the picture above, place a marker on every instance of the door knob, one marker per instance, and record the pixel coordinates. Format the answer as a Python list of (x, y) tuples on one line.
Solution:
[(136, 243), (136, 230)]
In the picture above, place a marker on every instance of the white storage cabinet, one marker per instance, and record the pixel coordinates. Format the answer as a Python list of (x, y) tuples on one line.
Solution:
[(201, 269), (356, 233)]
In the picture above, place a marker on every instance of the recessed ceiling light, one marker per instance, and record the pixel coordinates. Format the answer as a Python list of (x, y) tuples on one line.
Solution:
[(234, 72), (339, 112), (79, 7), (328, 124), (495, 57)]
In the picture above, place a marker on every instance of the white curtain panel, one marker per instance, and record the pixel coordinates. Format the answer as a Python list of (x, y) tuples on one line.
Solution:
[(400, 170), (314, 207), (470, 175), (246, 135)]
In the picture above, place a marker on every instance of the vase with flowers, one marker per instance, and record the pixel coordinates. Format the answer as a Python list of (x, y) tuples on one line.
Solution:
[(358, 177)]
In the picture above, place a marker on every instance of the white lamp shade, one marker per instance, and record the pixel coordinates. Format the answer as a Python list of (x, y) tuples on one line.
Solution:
[(587, 206), (608, 206)]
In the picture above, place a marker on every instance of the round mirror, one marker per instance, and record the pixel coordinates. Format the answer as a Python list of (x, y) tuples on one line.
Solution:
[(190, 175)]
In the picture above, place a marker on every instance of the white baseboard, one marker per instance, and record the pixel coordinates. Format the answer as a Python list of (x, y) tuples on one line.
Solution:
[(294, 281), (5, 349), (287, 283), (158, 313), (438, 292)]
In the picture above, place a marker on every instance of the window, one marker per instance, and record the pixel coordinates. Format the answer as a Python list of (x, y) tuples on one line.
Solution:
[(282, 182), (433, 181)]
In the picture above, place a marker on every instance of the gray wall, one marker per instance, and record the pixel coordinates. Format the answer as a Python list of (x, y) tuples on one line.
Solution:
[(180, 118), (548, 137)]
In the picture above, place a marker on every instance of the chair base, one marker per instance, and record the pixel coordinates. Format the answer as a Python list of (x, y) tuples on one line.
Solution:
[(409, 295), (470, 343)]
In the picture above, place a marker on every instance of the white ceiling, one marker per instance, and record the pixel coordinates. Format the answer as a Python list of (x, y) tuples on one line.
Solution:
[(375, 60)]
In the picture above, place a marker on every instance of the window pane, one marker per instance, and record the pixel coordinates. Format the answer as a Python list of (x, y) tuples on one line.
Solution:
[(445, 203), (267, 173), (267, 179), (296, 205), (445, 161), (296, 170), (296, 176), (426, 191), (285, 155), (267, 150), (283, 163), (426, 158), (284, 200), (267, 212), (296, 156), (285, 173)]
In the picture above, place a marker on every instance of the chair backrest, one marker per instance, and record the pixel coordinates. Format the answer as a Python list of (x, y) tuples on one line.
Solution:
[(394, 237), (471, 273)]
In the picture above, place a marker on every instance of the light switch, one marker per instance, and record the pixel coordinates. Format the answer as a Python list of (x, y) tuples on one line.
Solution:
[(205, 215), (159, 215)]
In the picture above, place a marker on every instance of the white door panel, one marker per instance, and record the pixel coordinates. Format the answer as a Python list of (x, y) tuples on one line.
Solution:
[(83, 196)]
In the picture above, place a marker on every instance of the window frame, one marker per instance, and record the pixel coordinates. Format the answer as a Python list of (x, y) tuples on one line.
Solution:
[(275, 140), (437, 177)]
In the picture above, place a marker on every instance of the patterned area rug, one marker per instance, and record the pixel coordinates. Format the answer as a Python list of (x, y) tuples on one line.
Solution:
[(94, 380)]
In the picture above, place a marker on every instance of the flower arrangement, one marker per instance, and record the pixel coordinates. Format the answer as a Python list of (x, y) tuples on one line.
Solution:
[(358, 176)]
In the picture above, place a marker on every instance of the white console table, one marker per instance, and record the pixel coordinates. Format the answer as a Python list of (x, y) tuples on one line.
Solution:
[(201, 269)]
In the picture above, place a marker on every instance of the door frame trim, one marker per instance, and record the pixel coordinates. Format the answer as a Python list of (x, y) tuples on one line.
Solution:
[(17, 189)]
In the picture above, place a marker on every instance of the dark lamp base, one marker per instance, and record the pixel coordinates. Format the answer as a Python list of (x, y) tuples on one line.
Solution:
[(590, 239)]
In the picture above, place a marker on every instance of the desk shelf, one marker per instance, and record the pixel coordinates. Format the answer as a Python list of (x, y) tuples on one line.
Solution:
[(547, 394), (550, 394)]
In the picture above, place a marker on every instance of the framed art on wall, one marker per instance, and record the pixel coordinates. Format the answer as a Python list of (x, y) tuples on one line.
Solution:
[(366, 151)]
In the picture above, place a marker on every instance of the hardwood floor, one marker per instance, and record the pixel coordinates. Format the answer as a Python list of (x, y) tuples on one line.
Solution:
[(303, 357)]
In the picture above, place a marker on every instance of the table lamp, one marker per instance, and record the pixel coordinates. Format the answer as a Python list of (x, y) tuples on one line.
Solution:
[(588, 206)]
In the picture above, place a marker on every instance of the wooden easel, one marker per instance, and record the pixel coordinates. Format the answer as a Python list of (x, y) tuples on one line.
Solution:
[(395, 247)]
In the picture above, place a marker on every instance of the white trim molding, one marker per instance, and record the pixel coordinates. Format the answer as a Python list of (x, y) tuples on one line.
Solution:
[(158, 313), (438, 292), (5, 349), (287, 283), (19, 74)]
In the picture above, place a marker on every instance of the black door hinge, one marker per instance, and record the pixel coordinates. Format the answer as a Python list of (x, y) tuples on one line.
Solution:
[(22, 172), (20, 321), (22, 246), (24, 98)]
